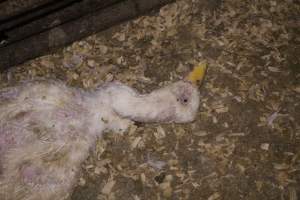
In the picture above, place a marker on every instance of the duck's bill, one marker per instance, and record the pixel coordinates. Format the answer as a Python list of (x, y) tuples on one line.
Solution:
[(197, 75)]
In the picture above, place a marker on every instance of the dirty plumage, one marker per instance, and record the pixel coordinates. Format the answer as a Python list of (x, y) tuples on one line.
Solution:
[(47, 129)]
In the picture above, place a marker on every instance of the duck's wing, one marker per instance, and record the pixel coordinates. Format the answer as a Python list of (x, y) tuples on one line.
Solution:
[(44, 169), (44, 146), (38, 105), (32, 104), (8, 97), (9, 93), (29, 96)]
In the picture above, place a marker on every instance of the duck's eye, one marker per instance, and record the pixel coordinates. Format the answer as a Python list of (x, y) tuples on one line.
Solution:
[(183, 100)]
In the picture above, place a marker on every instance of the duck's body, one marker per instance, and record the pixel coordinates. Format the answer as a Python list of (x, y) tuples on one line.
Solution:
[(47, 129)]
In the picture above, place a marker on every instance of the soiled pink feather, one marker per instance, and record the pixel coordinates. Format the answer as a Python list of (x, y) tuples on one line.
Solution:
[(47, 129)]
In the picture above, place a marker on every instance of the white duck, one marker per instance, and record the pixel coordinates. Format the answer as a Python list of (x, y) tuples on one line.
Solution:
[(47, 129)]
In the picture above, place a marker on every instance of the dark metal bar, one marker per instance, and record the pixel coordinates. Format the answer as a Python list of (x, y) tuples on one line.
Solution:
[(11, 8), (50, 40), (54, 19), (31, 15)]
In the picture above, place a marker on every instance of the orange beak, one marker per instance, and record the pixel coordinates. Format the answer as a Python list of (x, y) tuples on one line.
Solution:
[(197, 75)]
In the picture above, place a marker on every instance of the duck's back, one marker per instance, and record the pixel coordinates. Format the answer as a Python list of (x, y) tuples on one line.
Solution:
[(41, 139), (36, 105)]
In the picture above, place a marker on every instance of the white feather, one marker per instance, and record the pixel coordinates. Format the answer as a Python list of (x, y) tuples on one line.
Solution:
[(47, 129)]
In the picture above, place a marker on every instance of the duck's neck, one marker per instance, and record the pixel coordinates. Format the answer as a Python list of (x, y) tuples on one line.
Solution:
[(128, 103)]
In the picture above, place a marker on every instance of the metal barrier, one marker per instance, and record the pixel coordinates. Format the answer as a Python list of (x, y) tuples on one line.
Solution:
[(31, 30)]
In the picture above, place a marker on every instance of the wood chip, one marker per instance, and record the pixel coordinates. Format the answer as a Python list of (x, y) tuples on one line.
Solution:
[(265, 146), (135, 142), (281, 166), (160, 133), (214, 196), (108, 187), (200, 133)]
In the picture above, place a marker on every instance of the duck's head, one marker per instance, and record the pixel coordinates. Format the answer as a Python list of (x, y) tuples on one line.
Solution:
[(183, 97)]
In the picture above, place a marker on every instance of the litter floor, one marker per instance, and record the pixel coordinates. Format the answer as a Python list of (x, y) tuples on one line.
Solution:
[(245, 141)]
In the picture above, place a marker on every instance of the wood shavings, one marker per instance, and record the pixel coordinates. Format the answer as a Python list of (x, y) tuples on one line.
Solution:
[(108, 187), (160, 133), (292, 193), (73, 61), (280, 166), (82, 181), (91, 63), (221, 109), (98, 170), (297, 89), (135, 142), (247, 129), (143, 178), (156, 164), (179, 132), (241, 168), (119, 36), (214, 196), (241, 134), (200, 133), (166, 189), (265, 146), (273, 69), (132, 129), (259, 185), (272, 117), (103, 49)]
